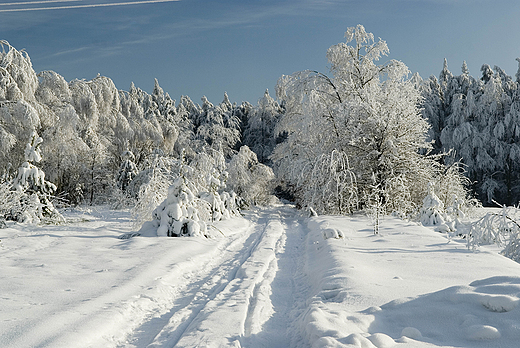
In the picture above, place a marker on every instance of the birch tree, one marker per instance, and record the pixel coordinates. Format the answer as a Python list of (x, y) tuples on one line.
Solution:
[(359, 131)]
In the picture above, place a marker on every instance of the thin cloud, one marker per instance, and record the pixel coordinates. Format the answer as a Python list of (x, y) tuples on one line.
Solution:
[(80, 6), (23, 3)]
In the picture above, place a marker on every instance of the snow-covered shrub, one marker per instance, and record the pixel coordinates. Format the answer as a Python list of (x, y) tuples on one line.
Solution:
[(197, 189), (512, 249), (186, 212), (35, 192), (251, 180), (432, 212), (455, 212), (177, 215), (500, 228)]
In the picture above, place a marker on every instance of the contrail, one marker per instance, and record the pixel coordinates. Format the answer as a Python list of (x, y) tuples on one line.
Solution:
[(83, 6), (35, 2)]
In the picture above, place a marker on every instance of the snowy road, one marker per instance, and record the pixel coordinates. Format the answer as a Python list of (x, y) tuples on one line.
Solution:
[(149, 292), (273, 279), (229, 300)]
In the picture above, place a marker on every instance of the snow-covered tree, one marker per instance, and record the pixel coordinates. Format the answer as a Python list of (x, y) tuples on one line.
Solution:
[(150, 186), (177, 215), (192, 195), (259, 134), (480, 127), (18, 79), (432, 211), (217, 127), (364, 111), (128, 170), (35, 192), (251, 180), (18, 120)]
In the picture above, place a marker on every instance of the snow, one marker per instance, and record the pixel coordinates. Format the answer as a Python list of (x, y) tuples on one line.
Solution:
[(272, 278)]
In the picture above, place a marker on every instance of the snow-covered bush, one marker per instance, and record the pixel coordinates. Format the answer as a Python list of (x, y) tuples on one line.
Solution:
[(500, 228), (432, 212), (197, 189), (186, 212), (34, 191), (177, 215), (512, 249)]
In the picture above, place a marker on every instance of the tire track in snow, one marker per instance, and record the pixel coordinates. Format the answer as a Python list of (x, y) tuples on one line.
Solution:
[(260, 306), (200, 289), (286, 288), (241, 305)]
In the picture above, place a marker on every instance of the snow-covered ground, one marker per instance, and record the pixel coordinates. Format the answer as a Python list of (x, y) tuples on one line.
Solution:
[(272, 279)]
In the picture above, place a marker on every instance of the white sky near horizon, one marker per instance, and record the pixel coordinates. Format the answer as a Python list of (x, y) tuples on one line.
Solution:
[(200, 47)]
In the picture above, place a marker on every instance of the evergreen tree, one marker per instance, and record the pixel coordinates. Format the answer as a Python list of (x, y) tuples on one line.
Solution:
[(35, 192), (259, 135)]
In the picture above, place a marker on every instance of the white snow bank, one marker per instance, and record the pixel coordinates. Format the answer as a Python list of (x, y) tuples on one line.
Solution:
[(408, 286)]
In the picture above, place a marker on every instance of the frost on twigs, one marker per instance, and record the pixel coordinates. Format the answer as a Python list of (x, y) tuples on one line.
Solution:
[(501, 228)]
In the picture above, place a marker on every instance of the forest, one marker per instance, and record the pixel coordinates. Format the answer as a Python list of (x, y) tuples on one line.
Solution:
[(363, 136)]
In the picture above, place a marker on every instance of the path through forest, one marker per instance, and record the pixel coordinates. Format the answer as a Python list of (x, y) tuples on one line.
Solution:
[(272, 279)]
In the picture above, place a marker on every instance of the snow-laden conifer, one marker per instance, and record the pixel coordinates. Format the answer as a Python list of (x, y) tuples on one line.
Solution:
[(128, 170), (177, 215), (259, 135), (432, 212), (35, 192)]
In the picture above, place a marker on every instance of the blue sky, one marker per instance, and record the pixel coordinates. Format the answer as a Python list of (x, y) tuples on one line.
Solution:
[(201, 47)]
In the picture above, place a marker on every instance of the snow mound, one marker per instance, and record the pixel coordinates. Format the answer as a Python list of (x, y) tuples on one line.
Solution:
[(487, 311), (482, 332), (411, 332), (358, 340), (499, 304), (332, 233), (381, 340)]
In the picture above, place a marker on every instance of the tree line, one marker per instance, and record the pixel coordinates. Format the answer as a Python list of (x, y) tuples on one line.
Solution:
[(364, 135)]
